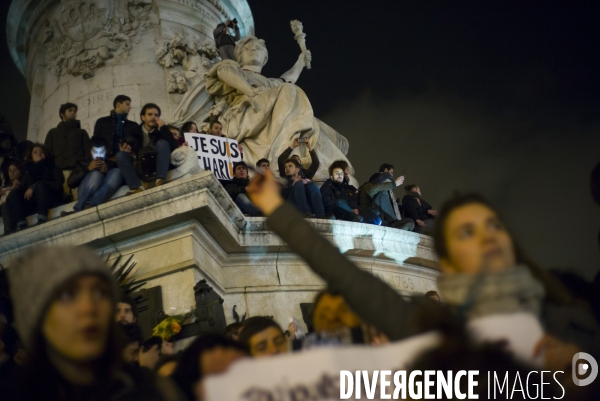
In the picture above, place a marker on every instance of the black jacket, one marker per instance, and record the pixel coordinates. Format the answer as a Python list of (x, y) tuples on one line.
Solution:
[(68, 143), (413, 209), (81, 170), (43, 171), (236, 186), (161, 133), (331, 192), (304, 173), (105, 128), (382, 306)]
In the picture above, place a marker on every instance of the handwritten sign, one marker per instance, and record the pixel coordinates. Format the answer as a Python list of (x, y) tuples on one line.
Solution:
[(215, 153)]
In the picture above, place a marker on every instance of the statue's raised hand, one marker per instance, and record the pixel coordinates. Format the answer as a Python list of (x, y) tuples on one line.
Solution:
[(305, 58)]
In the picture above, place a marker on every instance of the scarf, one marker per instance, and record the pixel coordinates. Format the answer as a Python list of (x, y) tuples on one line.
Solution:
[(477, 295)]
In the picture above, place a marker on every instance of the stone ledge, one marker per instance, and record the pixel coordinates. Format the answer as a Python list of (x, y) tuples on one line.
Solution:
[(190, 229)]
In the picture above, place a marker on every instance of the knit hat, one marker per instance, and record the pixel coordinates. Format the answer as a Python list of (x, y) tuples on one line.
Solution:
[(35, 277)]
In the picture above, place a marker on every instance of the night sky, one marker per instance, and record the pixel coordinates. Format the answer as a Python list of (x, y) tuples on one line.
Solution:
[(500, 98)]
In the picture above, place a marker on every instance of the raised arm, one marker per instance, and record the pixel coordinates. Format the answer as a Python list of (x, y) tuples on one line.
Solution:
[(372, 299), (294, 73), (314, 165), (281, 161)]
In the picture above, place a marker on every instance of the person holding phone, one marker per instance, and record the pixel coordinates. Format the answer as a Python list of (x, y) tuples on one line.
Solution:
[(96, 177)]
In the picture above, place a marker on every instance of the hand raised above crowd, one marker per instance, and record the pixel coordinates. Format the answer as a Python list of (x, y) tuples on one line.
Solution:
[(264, 192)]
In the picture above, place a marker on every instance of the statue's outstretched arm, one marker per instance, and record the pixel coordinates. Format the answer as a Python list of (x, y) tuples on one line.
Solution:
[(232, 76), (294, 73)]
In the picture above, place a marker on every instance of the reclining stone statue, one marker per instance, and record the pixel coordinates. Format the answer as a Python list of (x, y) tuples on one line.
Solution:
[(264, 114)]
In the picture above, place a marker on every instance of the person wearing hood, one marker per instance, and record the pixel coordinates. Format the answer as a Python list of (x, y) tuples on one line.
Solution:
[(68, 142), (236, 188), (378, 195), (40, 190), (417, 209), (484, 272), (64, 310)]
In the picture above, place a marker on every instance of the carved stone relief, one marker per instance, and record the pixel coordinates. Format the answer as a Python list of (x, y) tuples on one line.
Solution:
[(84, 36), (195, 59)]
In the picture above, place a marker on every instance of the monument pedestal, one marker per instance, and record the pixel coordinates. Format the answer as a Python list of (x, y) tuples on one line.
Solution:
[(190, 229)]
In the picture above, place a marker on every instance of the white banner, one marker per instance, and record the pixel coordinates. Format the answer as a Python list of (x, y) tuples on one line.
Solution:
[(313, 374), (215, 153)]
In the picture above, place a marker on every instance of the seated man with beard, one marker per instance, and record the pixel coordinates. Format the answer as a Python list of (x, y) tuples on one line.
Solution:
[(341, 200)]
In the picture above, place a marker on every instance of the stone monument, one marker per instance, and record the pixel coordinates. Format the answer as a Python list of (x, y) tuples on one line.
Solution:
[(162, 51), (89, 51)]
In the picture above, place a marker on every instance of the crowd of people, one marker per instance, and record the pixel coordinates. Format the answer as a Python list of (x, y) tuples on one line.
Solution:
[(71, 166), (68, 332)]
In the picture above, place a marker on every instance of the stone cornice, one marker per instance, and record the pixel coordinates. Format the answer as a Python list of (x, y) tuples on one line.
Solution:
[(200, 204)]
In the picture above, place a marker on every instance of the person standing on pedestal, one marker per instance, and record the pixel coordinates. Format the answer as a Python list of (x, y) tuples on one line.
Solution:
[(224, 41), (68, 142)]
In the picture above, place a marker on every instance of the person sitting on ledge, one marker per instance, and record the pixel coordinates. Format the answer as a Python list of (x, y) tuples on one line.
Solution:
[(236, 188), (118, 132), (304, 173), (340, 199), (264, 164), (377, 195), (307, 200), (156, 135), (96, 177), (417, 209), (40, 190), (12, 179)]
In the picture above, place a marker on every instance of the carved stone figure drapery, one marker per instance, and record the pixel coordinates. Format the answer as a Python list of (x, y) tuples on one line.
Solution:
[(86, 33)]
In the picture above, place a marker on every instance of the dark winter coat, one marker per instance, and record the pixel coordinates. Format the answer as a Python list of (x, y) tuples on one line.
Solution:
[(43, 171), (236, 187), (415, 207), (161, 133), (375, 196), (331, 192), (106, 126), (68, 143)]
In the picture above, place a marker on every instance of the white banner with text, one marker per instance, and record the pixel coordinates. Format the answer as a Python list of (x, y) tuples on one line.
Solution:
[(215, 153)]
